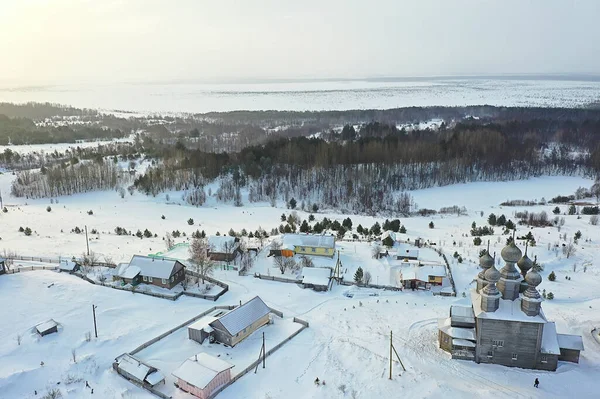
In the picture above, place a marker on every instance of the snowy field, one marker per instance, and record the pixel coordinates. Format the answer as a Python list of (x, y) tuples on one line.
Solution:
[(346, 344), (59, 147), (302, 96)]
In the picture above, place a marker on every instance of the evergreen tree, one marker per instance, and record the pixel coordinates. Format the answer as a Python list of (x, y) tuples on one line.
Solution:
[(304, 228), (501, 221), (402, 229), (492, 219), (293, 203), (358, 276), (431, 225), (552, 276), (388, 241)]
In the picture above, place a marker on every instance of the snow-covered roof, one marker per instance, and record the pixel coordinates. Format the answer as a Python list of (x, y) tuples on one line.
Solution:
[(407, 251), (462, 313), (222, 244), (291, 241), (456, 332), (422, 273), (507, 310), (45, 326), (202, 324), (133, 366), (201, 369), (316, 275), (241, 317), (130, 272), (549, 340), (463, 342), (153, 267), (155, 378), (568, 341), (66, 265)]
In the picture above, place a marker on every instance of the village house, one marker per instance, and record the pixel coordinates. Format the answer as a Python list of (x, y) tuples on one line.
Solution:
[(223, 248), (47, 327), (505, 324), (161, 272), (202, 374), (306, 244), (234, 326), (422, 277), (135, 370)]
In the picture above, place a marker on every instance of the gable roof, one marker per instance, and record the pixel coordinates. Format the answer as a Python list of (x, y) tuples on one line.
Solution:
[(290, 241), (134, 366), (153, 267), (45, 326), (201, 369), (66, 265), (219, 244), (241, 317), (549, 340)]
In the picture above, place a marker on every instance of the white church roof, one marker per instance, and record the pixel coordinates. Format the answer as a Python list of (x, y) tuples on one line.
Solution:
[(549, 339)]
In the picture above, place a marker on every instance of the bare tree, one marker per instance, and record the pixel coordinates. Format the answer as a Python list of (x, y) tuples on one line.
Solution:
[(74, 355), (284, 263), (375, 250), (169, 241), (229, 248), (201, 263), (569, 249), (367, 278), (305, 261)]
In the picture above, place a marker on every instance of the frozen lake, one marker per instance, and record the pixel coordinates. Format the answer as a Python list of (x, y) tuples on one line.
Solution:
[(310, 95)]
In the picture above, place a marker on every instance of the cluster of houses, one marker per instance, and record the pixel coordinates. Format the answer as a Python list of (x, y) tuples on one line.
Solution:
[(203, 374), (506, 324)]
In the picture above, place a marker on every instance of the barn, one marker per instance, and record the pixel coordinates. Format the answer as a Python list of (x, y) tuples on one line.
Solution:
[(237, 324), (202, 374)]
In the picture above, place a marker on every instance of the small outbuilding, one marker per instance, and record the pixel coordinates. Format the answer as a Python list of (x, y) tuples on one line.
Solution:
[(570, 347), (316, 278), (223, 248), (47, 327), (69, 266), (3, 267), (237, 324), (203, 374), (135, 370), (201, 329)]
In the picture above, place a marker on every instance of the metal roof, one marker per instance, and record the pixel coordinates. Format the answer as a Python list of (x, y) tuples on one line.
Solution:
[(222, 244), (316, 275), (153, 267), (568, 341), (290, 241), (243, 316)]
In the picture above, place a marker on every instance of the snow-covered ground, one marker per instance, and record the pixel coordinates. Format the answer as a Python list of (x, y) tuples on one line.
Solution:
[(302, 96), (346, 344), (60, 147)]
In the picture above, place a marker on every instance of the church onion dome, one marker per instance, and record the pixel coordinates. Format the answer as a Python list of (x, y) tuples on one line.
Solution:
[(492, 275), (525, 264), (533, 278), (486, 261), (511, 253)]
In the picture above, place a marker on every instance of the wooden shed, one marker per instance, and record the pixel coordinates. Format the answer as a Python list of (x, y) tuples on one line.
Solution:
[(136, 370), (3, 267), (47, 327), (570, 347)]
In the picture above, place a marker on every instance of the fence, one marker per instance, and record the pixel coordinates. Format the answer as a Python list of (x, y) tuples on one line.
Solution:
[(172, 330), (277, 312), (255, 363), (379, 287), (280, 279), (30, 268), (57, 260)]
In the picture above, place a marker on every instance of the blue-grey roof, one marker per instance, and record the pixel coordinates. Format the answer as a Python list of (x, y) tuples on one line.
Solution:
[(243, 316)]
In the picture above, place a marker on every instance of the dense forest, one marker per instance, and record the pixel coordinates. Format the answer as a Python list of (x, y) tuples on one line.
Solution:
[(349, 159)]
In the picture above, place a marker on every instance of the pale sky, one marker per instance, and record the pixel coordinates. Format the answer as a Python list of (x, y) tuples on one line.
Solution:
[(65, 41)]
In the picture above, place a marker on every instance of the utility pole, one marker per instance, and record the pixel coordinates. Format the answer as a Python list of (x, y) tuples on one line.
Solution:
[(87, 242), (263, 350), (392, 348), (391, 354), (95, 328)]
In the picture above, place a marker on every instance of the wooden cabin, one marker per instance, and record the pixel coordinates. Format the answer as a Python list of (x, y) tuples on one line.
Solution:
[(202, 374), (237, 324)]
